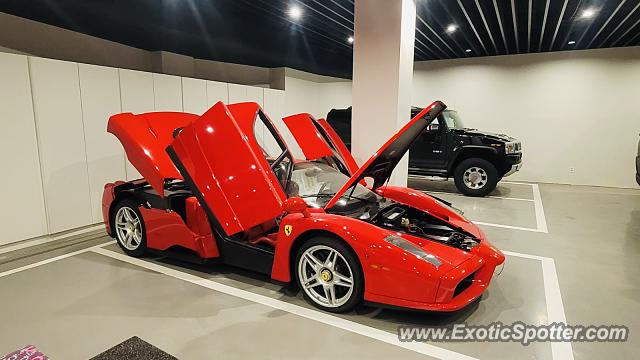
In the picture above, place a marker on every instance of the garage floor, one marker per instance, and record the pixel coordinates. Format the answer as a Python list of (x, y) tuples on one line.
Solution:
[(572, 253)]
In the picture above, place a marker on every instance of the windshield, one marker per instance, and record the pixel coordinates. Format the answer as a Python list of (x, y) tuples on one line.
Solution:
[(317, 183), (452, 119)]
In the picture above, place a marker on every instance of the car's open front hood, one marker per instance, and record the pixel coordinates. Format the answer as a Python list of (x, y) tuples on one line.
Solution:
[(145, 137), (381, 164)]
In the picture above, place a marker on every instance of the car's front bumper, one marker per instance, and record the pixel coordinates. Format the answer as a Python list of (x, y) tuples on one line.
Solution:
[(514, 168)]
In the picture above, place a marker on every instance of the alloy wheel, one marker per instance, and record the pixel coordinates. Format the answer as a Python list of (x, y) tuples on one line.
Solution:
[(325, 276), (128, 228), (475, 177)]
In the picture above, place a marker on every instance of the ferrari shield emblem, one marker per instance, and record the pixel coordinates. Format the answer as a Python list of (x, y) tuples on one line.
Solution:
[(288, 229)]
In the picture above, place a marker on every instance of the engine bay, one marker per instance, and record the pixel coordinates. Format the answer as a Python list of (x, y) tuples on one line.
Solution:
[(418, 223)]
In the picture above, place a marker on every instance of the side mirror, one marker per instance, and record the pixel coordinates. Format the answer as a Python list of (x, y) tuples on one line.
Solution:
[(296, 204)]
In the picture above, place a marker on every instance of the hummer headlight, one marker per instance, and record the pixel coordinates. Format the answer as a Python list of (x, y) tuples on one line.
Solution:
[(512, 147), (413, 249)]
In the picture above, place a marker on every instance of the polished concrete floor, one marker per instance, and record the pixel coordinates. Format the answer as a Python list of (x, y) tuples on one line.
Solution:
[(572, 252)]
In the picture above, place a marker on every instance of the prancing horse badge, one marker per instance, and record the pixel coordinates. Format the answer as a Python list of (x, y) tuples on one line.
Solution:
[(288, 229)]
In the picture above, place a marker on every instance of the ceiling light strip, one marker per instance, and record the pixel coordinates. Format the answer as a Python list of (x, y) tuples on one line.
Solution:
[(626, 32), (424, 52), (529, 11), (446, 55), (544, 24), (325, 15), (436, 34), (333, 11), (252, 3), (555, 33), (515, 25), (632, 39), (472, 27), (486, 26), (504, 38), (606, 22), (620, 24), (342, 7)]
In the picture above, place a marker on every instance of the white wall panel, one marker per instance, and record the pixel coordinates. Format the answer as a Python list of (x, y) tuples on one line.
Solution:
[(136, 96), (274, 107), (100, 94), (244, 93), (167, 90), (255, 94), (217, 91), (23, 214), (576, 113), (194, 95), (58, 115)]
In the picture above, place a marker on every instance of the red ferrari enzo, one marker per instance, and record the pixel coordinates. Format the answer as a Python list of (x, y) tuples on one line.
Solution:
[(224, 187)]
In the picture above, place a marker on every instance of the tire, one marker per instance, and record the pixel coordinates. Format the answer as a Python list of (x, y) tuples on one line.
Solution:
[(123, 220), (475, 177), (330, 276)]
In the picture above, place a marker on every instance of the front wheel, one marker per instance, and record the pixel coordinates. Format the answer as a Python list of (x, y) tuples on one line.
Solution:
[(329, 274), (129, 229), (476, 177)]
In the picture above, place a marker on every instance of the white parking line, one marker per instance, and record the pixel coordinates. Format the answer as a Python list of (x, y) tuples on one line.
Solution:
[(49, 238), (485, 197), (505, 226), (553, 299), (50, 260), (541, 222), (325, 318)]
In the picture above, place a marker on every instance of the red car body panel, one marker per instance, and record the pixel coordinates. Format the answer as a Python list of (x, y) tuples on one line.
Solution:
[(391, 275), (145, 137), (310, 140), (346, 155), (166, 229), (236, 181), (382, 163)]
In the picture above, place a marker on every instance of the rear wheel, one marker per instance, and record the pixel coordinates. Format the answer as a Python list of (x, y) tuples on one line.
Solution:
[(329, 274), (476, 177), (129, 229)]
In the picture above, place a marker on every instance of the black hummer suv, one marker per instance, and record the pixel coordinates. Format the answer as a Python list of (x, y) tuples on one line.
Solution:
[(476, 160)]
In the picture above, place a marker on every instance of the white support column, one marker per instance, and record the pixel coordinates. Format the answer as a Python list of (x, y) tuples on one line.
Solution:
[(382, 75)]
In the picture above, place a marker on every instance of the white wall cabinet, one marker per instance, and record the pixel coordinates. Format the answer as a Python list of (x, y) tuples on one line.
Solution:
[(23, 215), (58, 114), (100, 95)]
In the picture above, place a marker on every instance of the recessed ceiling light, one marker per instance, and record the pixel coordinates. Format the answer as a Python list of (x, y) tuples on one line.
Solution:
[(350, 39), (587, 13), (295, 12), (451, 28), (468, 50), (571, 42)]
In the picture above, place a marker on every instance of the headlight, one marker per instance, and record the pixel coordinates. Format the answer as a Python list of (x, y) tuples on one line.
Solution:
[(413, 249), (512, 147)]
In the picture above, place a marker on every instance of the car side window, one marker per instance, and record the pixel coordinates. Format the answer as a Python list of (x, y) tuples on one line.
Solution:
[(434, 126), (273, 149)]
